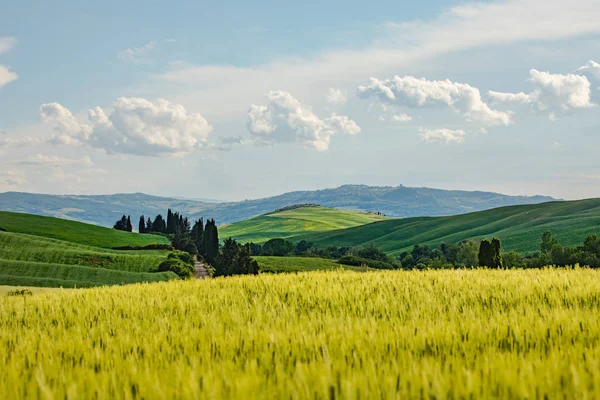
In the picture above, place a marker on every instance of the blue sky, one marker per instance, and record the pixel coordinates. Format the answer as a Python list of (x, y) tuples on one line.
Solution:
[(242, 100)]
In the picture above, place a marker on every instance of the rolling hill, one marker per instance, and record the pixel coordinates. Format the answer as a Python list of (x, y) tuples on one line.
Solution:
[(398, 201), (38, 258), (297, 220), (519, 227), (75, 232)]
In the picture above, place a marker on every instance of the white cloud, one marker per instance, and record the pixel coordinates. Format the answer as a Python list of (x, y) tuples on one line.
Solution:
[(415, 92), (7, 44), (134, 126), (285, 120), (446, 136), (336, 97), (25, 141), (11, 178), (554, 94), (6, 76), (463, 27), (591, 70), (401, 118), (142, 54), (40, 159)]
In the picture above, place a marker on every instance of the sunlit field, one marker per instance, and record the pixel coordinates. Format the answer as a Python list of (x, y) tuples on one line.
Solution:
[(332, 334)]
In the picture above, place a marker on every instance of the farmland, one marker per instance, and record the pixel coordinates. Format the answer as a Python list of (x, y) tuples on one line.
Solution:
[(296, 264), (333, 334), (29, 260), (301, 220), (75, 232), (519, 228)]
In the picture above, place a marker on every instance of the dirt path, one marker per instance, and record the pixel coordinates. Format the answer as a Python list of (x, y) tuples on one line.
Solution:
[(201, 272)]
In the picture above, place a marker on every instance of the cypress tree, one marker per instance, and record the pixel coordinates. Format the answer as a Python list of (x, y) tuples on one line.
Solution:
[(197, 235), (129, 226), (142, 225), (170, 226), (149, 226), (157, 225), (496, 256), (485, 254), (211, 241)]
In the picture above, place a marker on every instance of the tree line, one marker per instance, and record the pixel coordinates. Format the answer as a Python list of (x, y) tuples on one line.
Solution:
[(199, 239), (465, 254)]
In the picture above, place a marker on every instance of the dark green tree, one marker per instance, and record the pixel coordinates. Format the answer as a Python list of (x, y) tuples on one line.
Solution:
[(485, 254), (159, 224), (149, 226), (278, 247), (211, 241), (548, 242), (198, 235), (129, 226), (170, 222), (142, 225), (496, 253)]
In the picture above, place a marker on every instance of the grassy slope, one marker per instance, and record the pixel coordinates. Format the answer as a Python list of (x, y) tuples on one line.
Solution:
[(519, 227), (75, 232), (293, 222), (27, 273), (16, 246), (297, 264)]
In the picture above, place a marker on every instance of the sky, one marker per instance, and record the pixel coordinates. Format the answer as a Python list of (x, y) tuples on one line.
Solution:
[(241, 100)]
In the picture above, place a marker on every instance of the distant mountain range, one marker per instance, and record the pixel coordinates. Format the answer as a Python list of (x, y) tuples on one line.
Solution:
[(395, 202)]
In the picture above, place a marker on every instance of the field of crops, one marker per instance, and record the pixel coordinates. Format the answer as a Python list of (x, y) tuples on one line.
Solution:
[(14, 246), (75, 232), (333, 334), (301, 220), (297, 264)]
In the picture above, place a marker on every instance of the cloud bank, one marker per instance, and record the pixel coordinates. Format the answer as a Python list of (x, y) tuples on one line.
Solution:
[(414, 92), (133, 126), (285, 120)]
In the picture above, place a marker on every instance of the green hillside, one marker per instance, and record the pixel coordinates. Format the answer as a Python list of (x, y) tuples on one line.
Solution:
[(21, 247), (73, 231), (294, 221), (61, 253), (26, 273), (519, 228), (298, 264)]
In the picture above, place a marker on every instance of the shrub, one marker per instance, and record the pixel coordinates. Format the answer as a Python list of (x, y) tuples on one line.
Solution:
[(20, 292), (152, 246), (182, 269), (359, 261), (183, 256)]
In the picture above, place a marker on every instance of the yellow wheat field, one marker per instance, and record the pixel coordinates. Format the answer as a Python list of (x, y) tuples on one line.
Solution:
[(324, 335)]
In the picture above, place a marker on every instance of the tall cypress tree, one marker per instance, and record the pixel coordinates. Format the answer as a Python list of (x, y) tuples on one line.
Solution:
[(157, 225), (197, 235), (170, 226), (142, 225), (495, 253), (129, 225), (486, 258), (149, 225), (211, 241)]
